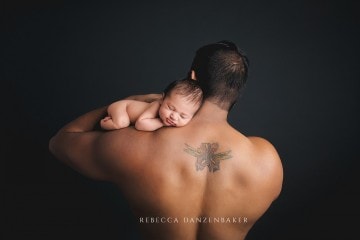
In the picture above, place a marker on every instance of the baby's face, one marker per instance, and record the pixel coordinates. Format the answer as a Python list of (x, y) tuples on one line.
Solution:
[(176, 110)]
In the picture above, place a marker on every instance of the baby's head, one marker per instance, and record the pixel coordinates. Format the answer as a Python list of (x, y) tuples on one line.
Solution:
[(182, 99)]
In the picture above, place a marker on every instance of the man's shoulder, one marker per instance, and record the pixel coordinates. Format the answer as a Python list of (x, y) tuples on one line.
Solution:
[(261, 144), (268, 163), (264, 150)]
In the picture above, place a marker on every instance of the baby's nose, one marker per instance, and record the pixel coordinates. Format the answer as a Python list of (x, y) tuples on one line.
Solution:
[(172, 116)]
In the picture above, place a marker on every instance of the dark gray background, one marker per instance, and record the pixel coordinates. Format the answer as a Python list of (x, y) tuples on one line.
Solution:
[(61, 59)]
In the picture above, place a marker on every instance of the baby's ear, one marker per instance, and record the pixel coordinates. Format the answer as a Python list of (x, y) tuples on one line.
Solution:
[(162, 97)]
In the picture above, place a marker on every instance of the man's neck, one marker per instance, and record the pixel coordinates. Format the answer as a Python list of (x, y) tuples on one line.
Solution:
[(211, 112)]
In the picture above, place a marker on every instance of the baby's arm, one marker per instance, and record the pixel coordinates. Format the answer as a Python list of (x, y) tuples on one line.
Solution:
[(117, 116), (148, 120)]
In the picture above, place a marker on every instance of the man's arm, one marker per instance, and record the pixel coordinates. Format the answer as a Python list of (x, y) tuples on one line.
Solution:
[(148, 120), (75, 145)]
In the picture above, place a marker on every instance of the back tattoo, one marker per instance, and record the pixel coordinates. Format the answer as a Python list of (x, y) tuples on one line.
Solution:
[(206, 156)]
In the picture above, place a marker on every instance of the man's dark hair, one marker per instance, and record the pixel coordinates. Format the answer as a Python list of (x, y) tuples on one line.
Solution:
[(221, 70), (188, 88)]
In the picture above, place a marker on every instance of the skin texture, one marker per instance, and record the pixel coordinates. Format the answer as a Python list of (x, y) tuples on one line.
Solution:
[(204, 169), (174, 110)]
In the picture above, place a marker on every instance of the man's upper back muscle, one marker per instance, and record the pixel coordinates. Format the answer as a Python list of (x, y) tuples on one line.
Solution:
[(200, 170)]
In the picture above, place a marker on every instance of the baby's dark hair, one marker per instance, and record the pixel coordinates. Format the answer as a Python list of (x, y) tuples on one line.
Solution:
[(186, 87)]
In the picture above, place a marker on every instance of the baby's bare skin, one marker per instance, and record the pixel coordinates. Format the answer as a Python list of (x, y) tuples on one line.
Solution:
[(173, 110), (204, 170), (122, 113)]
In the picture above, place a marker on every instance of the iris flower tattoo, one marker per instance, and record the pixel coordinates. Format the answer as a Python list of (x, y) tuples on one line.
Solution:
[(206, 156)]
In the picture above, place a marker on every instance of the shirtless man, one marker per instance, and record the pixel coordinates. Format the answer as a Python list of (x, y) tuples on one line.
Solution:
[(180, 182)]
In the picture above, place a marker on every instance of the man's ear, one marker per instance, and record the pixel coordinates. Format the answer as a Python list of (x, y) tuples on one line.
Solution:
[(192, 75)]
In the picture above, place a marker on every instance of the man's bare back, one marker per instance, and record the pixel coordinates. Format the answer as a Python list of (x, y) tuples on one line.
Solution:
[(201, 181)]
